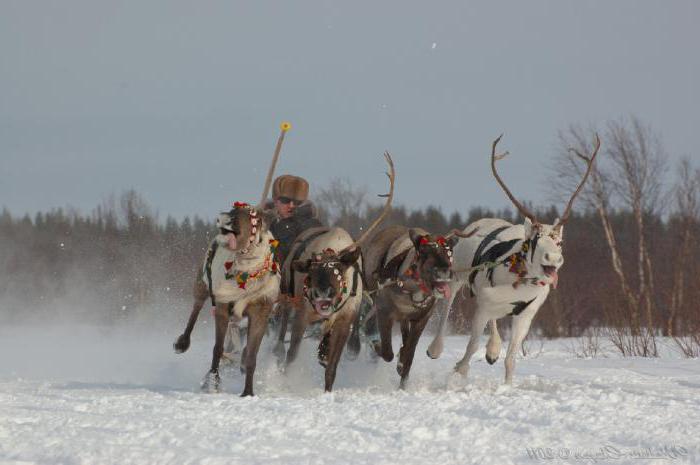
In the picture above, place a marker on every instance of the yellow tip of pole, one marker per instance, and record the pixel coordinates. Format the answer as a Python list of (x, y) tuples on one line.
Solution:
[(285, 126)]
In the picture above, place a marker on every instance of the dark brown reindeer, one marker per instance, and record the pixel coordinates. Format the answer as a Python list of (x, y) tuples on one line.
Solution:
[(324, 271), (240, 276), (409, 271)]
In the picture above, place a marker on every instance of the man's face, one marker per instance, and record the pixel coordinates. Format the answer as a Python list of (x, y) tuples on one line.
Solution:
[(285, 206)]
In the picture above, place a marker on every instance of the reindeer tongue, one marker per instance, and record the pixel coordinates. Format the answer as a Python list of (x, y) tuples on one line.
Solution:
[(555, 279), (323, 307), (444, 289), (231, 241)]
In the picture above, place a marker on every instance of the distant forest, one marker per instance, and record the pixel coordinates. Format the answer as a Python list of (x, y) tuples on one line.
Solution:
[(120, 260)]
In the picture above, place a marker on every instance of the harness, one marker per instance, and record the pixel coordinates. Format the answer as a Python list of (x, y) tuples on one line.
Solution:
[(242, 277), (516, 262), (389, 275)]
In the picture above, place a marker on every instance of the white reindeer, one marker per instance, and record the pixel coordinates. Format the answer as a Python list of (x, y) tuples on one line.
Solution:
[(509, 269)]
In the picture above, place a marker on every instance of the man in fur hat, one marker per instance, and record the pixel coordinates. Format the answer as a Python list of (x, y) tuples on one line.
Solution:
[(295, 213)]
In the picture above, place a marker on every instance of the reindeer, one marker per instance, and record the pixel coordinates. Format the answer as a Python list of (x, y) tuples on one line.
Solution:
[(408, 270), (510, 269), (324, 269), (240, 276)]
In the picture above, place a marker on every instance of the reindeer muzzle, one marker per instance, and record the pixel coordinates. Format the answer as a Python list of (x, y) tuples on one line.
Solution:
[(551, 272)]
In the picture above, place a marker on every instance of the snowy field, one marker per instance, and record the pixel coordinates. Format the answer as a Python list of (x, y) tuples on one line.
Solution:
[(90, 395)]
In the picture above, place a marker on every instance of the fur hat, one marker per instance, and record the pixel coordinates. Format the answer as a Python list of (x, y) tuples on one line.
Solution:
[(290, 186)]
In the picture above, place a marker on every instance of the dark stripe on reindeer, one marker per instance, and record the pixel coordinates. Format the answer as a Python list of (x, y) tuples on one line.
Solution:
[(210, 259), (519, 306), (490, 237), (533, 246), (491, 255)]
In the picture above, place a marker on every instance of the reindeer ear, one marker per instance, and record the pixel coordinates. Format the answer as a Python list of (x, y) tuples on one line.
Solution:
[(415, 237), (528, 227), (301, 266), (452, 241), (561, 230), (349, 257)]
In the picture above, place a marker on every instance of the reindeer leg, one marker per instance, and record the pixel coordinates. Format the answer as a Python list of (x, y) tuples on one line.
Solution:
[(478, 324), (201, 294), (354, 346), (338, 338), (493, 346), (519, 329), (298, 327), (212, 380), (409, 349), (232, 344), (405, 326), (279, 349), (435, 348), (384, 322), (257, 323)]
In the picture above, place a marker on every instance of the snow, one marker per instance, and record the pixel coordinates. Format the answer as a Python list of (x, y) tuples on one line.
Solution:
[(100, 395)]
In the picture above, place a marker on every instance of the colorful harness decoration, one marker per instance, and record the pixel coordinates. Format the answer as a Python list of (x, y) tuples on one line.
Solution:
[(269, 265), (517, 264)]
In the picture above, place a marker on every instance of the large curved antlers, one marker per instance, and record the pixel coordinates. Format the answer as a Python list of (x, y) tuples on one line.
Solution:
[(387, 206), (521, 208), (589, 161)]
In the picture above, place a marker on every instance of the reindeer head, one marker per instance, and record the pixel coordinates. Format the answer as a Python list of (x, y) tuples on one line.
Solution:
[(433, 262), (326, 280), (542, 249), (542, 244), (241, 227)]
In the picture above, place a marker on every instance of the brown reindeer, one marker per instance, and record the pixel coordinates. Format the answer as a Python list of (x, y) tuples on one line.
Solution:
[(409, 270), (324, 271), (240, 276)]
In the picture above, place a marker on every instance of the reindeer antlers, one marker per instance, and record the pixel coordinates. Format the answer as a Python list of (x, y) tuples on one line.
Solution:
[(460, 234), (387, 206), (521, 208), (589, 161)]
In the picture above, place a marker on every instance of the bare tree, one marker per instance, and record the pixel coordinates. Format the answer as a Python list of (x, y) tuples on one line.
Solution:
[(687, 218), (344, 204), (631, 177)]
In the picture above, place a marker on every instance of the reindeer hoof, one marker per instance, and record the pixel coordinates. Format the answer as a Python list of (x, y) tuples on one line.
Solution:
[(490, 359), (427, 352), (211, 382), (181, 344), (247, 394)]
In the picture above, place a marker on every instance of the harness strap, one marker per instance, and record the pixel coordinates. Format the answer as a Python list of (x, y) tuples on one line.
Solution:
[(355, 275), (210, 259)]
